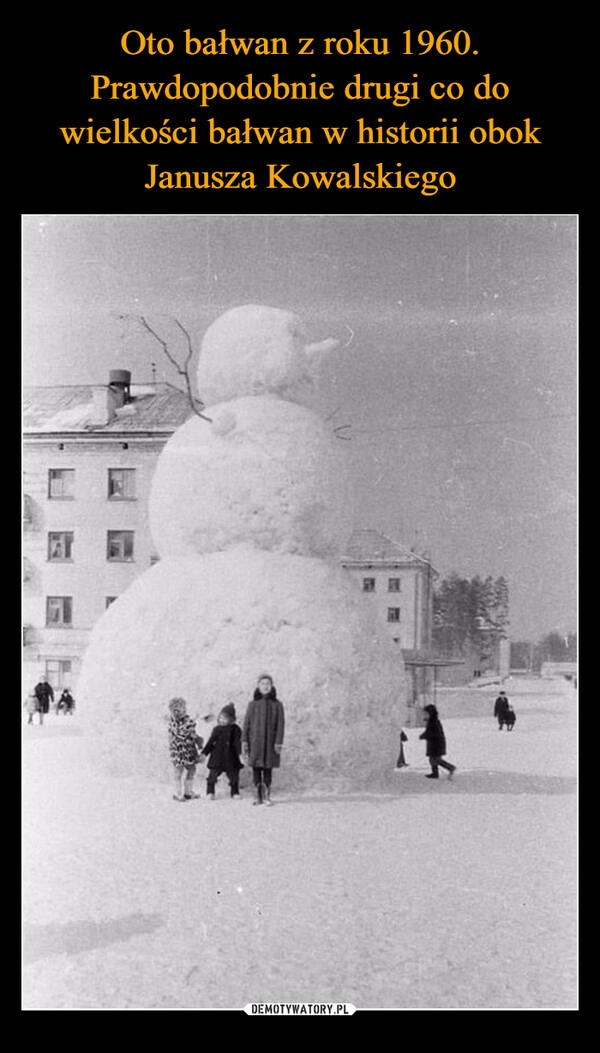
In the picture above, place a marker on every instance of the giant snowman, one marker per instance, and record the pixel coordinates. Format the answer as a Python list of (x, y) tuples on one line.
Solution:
[(249, 511)]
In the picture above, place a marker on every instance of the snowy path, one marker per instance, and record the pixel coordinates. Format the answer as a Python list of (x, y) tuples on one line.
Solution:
[(432, 895)]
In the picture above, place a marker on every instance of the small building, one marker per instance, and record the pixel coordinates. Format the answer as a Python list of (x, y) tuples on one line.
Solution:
[(89, 454), (556, 670), (486, 660)]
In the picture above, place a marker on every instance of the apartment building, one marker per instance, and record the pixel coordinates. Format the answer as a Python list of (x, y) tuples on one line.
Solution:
[(398, 583), (89, 454)]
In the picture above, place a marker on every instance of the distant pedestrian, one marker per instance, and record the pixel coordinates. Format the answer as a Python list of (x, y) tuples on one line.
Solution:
[(31, 706), (402, 762), (45, 695), (262, 737), (223, 751), (436, 744), (66, 703), (504, 712), (184, 746)]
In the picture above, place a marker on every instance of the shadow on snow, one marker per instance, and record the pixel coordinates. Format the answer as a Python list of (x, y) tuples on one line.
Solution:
[(73, 937), (473, 781)]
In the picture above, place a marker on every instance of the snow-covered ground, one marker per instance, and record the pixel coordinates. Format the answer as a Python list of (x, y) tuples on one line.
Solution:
[(432, 895)]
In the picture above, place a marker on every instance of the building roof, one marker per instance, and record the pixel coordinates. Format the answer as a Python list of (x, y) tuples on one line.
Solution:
[(372, 547), (156, 408)]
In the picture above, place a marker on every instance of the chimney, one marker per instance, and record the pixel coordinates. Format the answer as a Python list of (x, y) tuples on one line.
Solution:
[(103, 406), (119, 381)]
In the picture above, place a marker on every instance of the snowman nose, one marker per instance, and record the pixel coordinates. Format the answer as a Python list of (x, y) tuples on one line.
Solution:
[(322, 347)]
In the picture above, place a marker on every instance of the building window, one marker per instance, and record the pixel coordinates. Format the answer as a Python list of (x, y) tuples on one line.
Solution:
[(368, 584), (61, 483), (58, 672), (119, 545), (121, 484), (109, 600), (393, 584), (393, 614), (59, 610), (60, 546), (27, 512)]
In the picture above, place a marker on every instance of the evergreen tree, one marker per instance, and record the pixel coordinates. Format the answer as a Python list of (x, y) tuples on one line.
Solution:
[(500, 608), (520, 654), (469, 614), (556, 647)]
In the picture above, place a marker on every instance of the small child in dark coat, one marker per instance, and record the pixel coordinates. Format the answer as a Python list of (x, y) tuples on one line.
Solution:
[(66, 703), (435, 744), (223, 750)]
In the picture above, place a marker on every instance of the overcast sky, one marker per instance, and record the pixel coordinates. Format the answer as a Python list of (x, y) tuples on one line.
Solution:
[(457, 367)]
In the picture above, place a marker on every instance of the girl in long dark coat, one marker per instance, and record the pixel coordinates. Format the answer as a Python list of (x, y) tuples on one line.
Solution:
[(223, 750), (436, 744), (262, 736)]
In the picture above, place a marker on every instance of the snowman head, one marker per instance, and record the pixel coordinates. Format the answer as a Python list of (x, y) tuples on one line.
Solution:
[(256, 350)]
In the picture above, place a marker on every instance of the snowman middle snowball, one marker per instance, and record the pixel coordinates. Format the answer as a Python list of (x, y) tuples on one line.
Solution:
[(266, 472)]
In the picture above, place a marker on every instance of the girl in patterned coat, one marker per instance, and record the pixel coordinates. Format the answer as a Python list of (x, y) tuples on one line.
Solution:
[(184, 747)]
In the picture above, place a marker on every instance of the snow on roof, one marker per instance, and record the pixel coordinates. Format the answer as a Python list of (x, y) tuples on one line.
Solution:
[(371, 546), (159, 408), (74, 417)]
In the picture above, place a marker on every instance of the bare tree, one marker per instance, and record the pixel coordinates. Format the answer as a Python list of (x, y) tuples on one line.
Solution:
[(183, 370)]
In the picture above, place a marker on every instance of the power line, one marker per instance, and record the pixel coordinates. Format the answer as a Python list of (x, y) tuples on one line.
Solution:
[(463, 424)]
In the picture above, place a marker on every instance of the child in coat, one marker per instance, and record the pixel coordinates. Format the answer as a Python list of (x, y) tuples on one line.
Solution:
[(436, 744), (262, 736), (66, 703), (184, 746), (223, 752), (31, 706)]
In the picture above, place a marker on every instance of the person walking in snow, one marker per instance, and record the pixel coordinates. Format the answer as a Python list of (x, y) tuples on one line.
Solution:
[(436, 744), (262, 736), (45, 695), (502, 710), (223, 751), (184, 745)]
